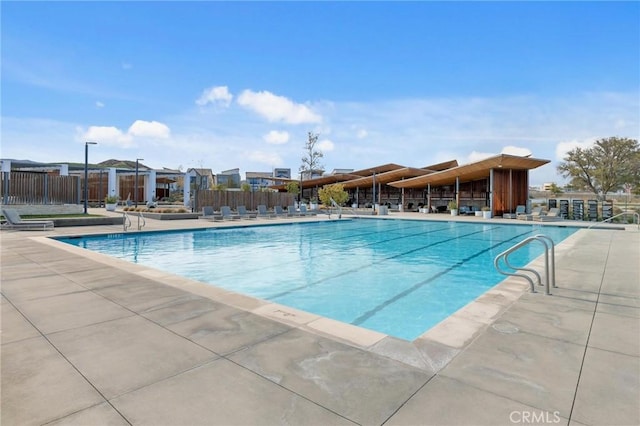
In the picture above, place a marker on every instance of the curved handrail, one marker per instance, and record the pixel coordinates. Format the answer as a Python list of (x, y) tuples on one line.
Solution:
[(338, 207), (126, 221), (144, 222), (636, 216), (505, 257)]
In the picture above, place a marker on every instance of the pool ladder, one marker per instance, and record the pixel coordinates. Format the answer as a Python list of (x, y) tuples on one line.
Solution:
[(339, 207), (126, 222), (548, 247)]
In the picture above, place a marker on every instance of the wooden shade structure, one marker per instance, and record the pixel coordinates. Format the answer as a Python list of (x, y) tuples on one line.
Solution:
[(473, 171)]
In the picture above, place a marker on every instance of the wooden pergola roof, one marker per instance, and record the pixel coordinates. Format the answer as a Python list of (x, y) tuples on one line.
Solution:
[(442, 166), (319, 181), (377, 170), (386, 177), (472, 171)]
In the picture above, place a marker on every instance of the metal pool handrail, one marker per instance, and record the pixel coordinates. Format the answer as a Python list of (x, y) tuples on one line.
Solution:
[(636, 216), (126, 222), (546, 241)]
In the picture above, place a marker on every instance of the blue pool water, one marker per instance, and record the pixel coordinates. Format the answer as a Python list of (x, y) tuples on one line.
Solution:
[(398, 277)]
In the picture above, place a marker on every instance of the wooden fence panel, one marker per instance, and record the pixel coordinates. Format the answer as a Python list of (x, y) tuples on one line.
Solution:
[(233, 199), (38, 188)]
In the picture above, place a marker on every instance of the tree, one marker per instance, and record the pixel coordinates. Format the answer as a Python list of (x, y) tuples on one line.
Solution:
[(336, 192), (293, 187), (311, 160), (245, 187), (555, 190), (606, 166)]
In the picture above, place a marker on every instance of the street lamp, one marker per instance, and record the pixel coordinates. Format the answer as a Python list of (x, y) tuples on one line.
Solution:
[(86, 173), (136, 184)]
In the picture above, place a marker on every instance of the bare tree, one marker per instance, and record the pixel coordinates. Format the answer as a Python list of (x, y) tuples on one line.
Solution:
[(311, 159)]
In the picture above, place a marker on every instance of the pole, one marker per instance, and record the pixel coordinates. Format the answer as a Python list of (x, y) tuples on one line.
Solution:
[(86, 174), (136, 182)]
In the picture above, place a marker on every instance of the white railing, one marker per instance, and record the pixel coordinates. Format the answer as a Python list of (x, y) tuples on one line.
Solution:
[(548, 247)]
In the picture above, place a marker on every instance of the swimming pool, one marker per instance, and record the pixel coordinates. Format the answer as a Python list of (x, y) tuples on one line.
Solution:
[(398, 277)]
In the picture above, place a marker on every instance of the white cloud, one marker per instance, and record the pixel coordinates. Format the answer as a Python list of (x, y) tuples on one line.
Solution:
[(110, 135), (326, 145), (107, 135), (99, 104), (151, 129), (277, 108), (564, 147), (269, 158), (276, 137), (515, 150), (215, 95), (477, 156)]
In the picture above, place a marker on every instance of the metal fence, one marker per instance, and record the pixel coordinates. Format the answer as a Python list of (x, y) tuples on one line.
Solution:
[(39, 188)]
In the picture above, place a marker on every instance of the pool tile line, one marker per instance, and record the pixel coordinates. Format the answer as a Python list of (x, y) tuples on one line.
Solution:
[(372, 312), (385, 259)]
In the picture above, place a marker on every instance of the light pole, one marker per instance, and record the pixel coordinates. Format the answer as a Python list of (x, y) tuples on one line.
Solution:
[(86, 173), (136, 183)]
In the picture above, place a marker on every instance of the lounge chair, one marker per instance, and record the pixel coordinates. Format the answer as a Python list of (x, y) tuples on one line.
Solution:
[(209, 214), (305, 212), (551, 215), (263, 213), (292, 212), (279, 212), (535, 212), (244, 214), (520, 210), (227, 214), (14, 221)]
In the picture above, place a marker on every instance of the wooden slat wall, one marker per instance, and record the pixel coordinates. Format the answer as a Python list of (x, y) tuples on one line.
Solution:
[(519, 190), (233, 199), (38, 188)]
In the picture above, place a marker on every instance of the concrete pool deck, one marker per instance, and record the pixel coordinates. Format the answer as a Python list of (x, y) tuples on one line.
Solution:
[(91, 340)]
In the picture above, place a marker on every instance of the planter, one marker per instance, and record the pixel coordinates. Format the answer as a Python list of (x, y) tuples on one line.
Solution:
[(478, 213), (486, 215), (111, 207), (454, 212)]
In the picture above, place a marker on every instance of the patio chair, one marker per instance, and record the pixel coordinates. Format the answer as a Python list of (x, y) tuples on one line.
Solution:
[(520, 210), (305, 212), (535, 212), (14, 221), (279, 212), (551, 215), (244, 214), (292, 212), (227, 214), (209, 214), (264, 213)]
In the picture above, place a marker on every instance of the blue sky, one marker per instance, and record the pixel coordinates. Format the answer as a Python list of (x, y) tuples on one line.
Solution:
[(239, 84)]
